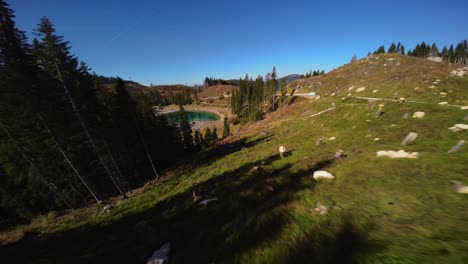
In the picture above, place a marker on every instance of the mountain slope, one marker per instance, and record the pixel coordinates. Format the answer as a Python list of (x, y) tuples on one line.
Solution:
[(379, 210)]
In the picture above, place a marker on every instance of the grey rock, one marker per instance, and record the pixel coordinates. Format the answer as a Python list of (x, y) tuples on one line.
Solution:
[(160, 256), (410, 138), (457, 147), (405, 116), (339, 154), (465, 118), (321, 209)]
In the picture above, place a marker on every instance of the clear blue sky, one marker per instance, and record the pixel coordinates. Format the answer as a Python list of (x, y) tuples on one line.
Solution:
[(175, 41)]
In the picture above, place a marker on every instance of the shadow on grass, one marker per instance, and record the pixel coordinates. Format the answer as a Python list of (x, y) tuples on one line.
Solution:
[(348, 244), (251, 211)]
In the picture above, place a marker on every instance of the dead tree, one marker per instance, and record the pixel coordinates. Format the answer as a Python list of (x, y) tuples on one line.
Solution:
[(69, 162), (104, 159)]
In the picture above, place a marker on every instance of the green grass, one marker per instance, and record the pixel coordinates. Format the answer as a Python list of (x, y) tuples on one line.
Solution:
[(380, 210)]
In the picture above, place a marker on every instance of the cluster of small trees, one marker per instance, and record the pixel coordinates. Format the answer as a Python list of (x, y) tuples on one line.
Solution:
[(312, 73), (210, 81), (65, 140), (457, 54), (247, 101)]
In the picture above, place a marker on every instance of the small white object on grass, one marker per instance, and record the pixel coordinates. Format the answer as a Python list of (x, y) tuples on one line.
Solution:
[(459, 188), (207, 201), (401, 154), (322, 175), (419, 114), (458, 127)]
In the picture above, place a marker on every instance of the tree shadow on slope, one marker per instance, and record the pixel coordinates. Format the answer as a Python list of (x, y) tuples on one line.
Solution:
[(349, 243), (251, 211)]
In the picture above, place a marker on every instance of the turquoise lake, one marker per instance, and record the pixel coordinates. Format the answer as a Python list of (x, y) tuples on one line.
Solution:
[(192, 116)]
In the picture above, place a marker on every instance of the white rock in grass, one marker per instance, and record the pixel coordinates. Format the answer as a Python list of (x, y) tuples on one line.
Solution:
[(360, 89), (443, 94), (443, 103), (459, 188), (464, 108), (401, 154), (375, 91), (410, 138), (458, 127), (160, 256), (350, 88), (321, 209), (457, 147), (419, 114), (376, 139), (323, 175), (331, 138)]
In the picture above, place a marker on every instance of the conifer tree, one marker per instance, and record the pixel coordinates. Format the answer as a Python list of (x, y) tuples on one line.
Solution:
[(185, 129), (226, 129)]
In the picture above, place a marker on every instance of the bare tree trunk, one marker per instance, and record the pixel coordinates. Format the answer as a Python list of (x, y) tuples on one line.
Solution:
[(33, 166), (65, 156), (85, 129), (145, 147)]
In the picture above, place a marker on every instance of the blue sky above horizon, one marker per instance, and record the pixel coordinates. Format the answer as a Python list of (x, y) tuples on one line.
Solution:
[(183, 41)]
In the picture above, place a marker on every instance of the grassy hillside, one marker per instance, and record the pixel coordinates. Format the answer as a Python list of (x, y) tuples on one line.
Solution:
[(380, 210)]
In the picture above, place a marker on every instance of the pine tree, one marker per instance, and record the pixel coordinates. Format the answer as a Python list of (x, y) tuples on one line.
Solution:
[(226, 130), (185, 129)]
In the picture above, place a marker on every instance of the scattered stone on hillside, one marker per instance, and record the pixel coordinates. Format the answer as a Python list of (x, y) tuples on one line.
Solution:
[(393, 125), (401, 100), (376, 139), (349, 95), (410, 138), (321, 209), (322, 175), (380, 111), (397, 154), (368, 136), (255, 168), (432, 87), (360, 89), (331, 138), (460, 72), (207, 201), (435, 59), (416, 88), (405, 116), (160, 256), (351, 88), (333, 94), (196, 191), (442, 94), (282, 150), (457, 147), (145, 234), (107, 208), (464, 107), (339, 154), (419, 114), (385, 65), (458, 127), (354, 127), (319, 141), (458, 187), (375, 91), (443, 103)]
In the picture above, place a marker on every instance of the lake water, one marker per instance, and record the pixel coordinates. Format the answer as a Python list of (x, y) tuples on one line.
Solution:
[(192, 116)]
